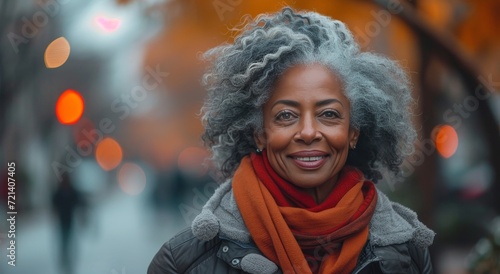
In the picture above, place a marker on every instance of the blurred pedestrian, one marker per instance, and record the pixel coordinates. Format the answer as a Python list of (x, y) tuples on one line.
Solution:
[(66, 200)]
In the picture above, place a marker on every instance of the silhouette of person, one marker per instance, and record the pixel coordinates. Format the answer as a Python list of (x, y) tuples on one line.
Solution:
[(65, 200)]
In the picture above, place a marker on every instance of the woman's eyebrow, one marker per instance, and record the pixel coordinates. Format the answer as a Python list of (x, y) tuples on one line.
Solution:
[(287, 102), (327, 102), (297, 104)]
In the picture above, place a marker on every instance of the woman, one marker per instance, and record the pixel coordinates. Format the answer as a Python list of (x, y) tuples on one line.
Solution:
[(301, 123)]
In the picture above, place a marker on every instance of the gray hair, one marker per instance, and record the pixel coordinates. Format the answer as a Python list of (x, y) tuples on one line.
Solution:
[(240, 79)]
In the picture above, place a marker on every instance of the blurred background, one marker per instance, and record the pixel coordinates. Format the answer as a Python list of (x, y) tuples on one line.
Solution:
[(99, 110)]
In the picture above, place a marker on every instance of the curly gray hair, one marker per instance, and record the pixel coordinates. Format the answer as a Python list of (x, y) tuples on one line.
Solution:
[(242, 74)]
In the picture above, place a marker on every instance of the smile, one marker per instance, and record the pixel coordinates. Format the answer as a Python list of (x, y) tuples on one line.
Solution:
[(309, 159)]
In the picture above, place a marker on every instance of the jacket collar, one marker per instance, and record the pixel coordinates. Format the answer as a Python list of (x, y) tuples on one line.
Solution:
[(392, 223)]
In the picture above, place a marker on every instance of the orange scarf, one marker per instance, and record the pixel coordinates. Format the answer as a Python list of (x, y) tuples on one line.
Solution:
[(300, 240)]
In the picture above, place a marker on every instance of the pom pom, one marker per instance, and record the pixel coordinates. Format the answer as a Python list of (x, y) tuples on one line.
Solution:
[(423, 237), (205, 226)]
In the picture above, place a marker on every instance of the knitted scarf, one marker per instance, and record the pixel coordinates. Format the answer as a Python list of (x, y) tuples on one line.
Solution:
[(292, 230)]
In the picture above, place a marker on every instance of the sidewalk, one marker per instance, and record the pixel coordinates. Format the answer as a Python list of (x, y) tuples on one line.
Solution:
[(122, 239)]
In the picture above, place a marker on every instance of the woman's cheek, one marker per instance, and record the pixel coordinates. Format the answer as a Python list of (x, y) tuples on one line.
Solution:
[(279, 139)]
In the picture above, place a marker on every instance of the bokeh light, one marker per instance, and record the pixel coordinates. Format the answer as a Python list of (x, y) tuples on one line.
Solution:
[(57, 52), (192, 159), (69, 107), (446, 140), (108, 24), (108, 153), (131, 179)]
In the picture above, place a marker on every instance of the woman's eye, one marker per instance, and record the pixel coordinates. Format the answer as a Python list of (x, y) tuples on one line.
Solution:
[(285, 115), (330, 114)]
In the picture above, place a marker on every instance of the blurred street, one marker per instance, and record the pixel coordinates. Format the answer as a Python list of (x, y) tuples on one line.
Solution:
[(123, 226)]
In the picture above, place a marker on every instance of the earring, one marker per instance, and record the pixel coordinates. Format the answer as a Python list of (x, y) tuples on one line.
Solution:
[(258, 150), (353, 146)]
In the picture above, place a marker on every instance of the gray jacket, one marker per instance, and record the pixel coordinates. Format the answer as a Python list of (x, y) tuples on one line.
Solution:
[(219, 242)]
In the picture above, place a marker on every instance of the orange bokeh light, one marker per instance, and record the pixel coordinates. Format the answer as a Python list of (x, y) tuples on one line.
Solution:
[(446, 140), (108, 153), (57, 53), (69, 107), (131, 179)]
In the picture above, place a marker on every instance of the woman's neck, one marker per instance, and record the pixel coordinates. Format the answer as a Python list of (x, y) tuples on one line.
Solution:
[(320, 193)]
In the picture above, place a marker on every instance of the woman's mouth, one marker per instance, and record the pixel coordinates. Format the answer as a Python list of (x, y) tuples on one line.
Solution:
[(309, 159)]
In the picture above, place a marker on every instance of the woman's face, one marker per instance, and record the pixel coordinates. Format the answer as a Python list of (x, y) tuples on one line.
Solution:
[(306, 127)]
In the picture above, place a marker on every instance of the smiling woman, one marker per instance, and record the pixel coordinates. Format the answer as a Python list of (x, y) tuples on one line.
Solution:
[(301, 124), (308, 132)]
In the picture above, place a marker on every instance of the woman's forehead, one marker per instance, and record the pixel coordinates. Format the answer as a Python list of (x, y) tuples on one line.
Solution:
[(308, 80)]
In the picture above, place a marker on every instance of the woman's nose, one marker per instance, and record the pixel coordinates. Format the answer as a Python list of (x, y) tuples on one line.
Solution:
[(308, 131)]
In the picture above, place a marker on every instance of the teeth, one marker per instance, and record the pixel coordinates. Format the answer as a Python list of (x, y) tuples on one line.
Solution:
[(309, 159)]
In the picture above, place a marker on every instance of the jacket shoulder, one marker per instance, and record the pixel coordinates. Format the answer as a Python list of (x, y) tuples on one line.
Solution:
[(181, 252), (422, 257), (404, 258)]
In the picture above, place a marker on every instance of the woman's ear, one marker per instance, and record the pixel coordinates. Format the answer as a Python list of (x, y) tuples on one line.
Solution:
[(353, 137), (260, 139)]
